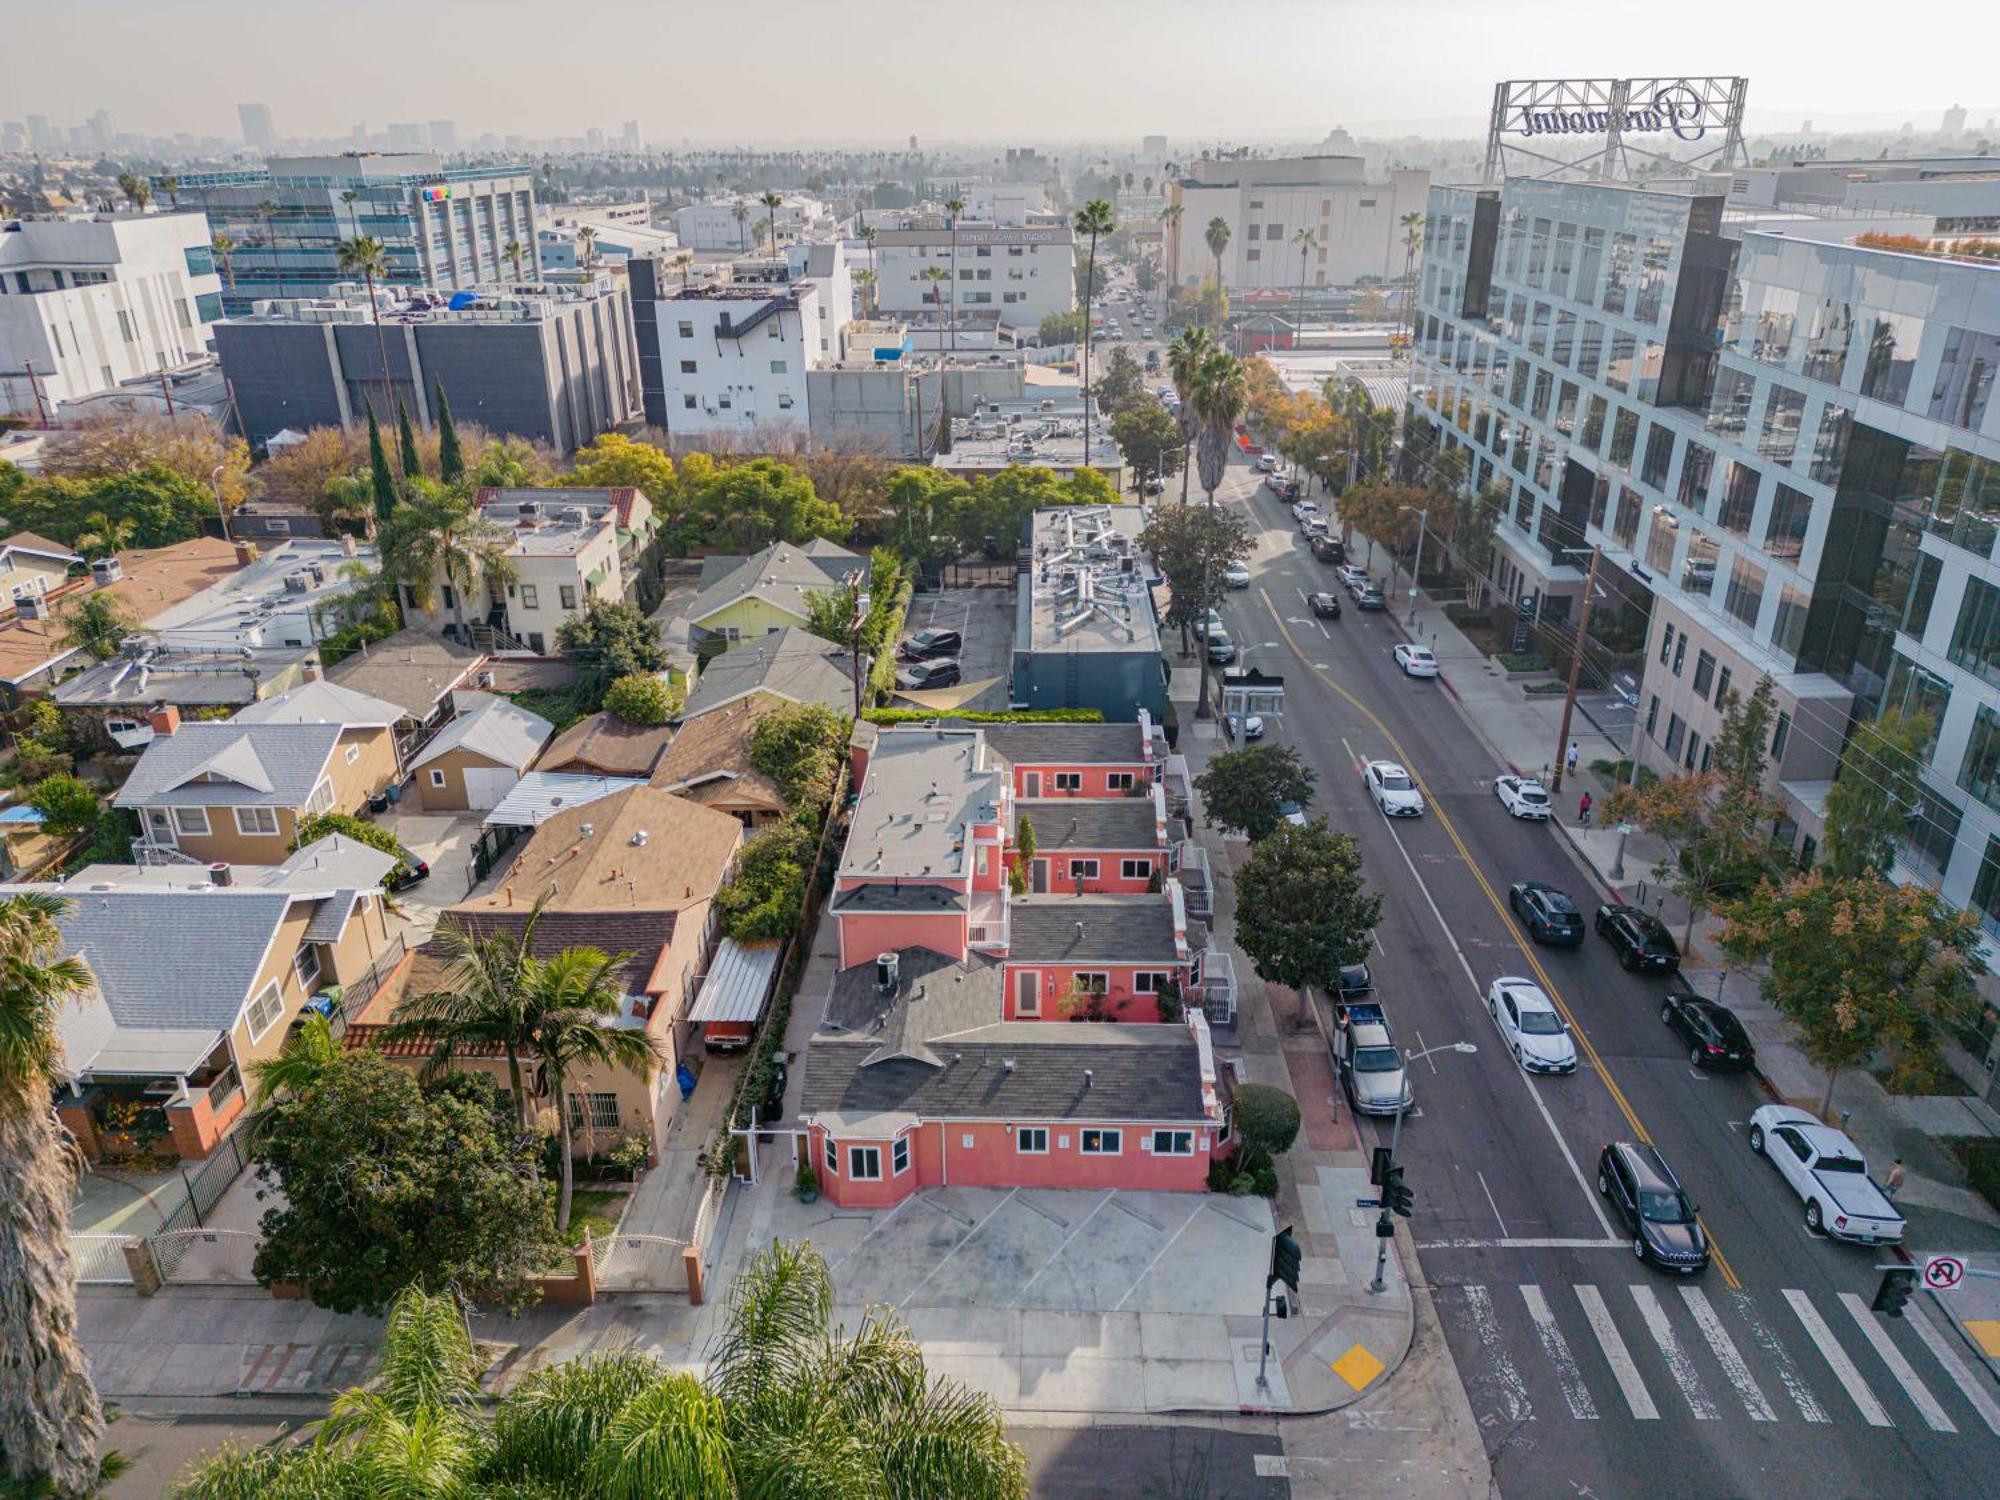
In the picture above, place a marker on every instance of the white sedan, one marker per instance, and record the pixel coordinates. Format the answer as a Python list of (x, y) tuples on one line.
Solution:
[(1523, 796), (1352, 576), (1394, 789), (1236, 576), (1266, 462), (1416, 661), (1529, 1024)]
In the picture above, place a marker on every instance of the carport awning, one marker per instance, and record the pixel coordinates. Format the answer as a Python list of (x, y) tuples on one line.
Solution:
[(540, 794), (153, 1054), (738, 982), (956, 696)]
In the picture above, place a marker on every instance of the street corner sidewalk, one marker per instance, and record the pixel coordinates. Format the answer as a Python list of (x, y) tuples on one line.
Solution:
[(1973, 1309)]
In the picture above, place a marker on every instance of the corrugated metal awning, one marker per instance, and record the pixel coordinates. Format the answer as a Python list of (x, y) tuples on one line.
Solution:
[(738, 982), (539, 795), (163, 1052)]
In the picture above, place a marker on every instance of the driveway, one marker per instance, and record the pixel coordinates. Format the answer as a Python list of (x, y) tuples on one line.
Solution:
[(445, 842), (984, 618)]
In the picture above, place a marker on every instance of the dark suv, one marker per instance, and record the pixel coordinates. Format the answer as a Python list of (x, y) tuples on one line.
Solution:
[(1551, 916), (926, 644), (1639, 938), (1646, 1195)]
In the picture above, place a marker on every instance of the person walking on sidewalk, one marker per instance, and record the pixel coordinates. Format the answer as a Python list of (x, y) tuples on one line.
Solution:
[(1583, 812), (1570, 760), (1893, 1183)]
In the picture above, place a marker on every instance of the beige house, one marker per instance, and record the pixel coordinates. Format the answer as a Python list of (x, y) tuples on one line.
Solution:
[(32, 567), (709, 763), (605, 745), (475, 760)]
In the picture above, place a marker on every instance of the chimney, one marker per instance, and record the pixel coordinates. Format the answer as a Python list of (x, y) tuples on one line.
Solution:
[(219, 875), (348, 547), (311, 671), (246, 554), (1087, 1075), (165, 719), (887, 967)]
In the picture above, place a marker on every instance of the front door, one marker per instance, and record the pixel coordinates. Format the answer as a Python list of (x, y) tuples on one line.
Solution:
[(1031, 783), (1028, 997), (160, 827), (1038, 876)]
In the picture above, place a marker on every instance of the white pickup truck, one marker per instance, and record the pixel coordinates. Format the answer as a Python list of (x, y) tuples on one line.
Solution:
[(1826, 1170)]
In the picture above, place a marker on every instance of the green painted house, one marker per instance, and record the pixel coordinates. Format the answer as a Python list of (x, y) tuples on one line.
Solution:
[(746, 598)]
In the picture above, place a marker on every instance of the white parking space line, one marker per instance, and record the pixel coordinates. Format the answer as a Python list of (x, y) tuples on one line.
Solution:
[(1158, 1257), (904, 1300), (1836, 1358), (1962, 1377), (1734, 1368), (1919, 1393), (1679, 1365), (1514, 1401), (1616, 1354), (1067, 1238), (1788, 1370), (872, 1228), (1521, 1244), (1568, 1374)]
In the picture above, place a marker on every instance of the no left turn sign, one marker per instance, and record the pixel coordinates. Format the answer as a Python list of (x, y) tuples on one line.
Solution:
[(1943, 1272)]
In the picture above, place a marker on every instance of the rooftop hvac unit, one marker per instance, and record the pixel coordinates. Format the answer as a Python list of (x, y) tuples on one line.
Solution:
[(106, 570), (297, 583)]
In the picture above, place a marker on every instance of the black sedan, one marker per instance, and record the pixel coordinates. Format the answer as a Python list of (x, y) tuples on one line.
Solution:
[(1639, 938), (1551, 916), (409, 871), (1715, 1038), (926, 644), (1665, 1228), (1325, 606)]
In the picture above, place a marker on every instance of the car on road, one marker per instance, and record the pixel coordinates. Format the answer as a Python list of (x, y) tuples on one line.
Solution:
[(1312, 526), (1533, 1031), (1209, 624), (1326, 606), (1221, 649), (924, 675), (1639, 938), (1352, 576), (1154, 485), (1329, 549), (1828, 1172), (1649, 1200), (1369, 596), (410, 870), (926, 644), (1524, 797), (1551, 916), (1237, 576), (1355, 980), (1715, 1038), (1416, 661), (1246, 727), (1292, 813), (1394, 789), (1303, 508), (1370, 1063), (1266, 462)]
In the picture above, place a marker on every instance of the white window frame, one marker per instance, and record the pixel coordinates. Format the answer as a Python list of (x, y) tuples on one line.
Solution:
[(191, 822), (899, 1156), (1023, 1134), (353, 754), (276, 1012), (864, 1163), (321, 799), (832, 1155), (1115, 1134), (1151, 981), (531, 596), (437, 777), (1086, 869), (307, 980), (1120, 781), (594, 1111), (566, 595), (1069, 781), (256, 822), (1080, 981), (1136, 869), (1173, 1139)]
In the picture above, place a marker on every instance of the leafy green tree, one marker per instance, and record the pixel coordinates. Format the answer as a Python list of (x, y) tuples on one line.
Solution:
[(1302, 909), (612, 638), (800, 747), (406, 439), (512, 463), (439, 537), (1874, 792), (1120, 380), (830, 613), (385, 1184), (49, 1413), (67, 805), (748, 506), (97, 623), (615, 460), (1267, 1118), (1147, 435), (1194, 546), (643, 698), (1243, 790), (308, 1055), (380, 478), (1061, 328), (762, 902), (451, 457)]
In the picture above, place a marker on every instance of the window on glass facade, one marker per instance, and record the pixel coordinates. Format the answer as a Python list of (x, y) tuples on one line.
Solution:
[(1566, 400), (1892, 355), (1659, 456), (1745, 595), (1618, 369), (1562, 258), (1777, 320), (1739, 498), (1625, 529), (1964, 498), (1980, 772), (1589, 347), (1826, 343), (1914, 691), (1965, 378), (1729, 403), (1589, 259), (1625, 437), (1618, 273), (1784, 415), (1696, 468), (1785, 531), (1538, 329), (1830, 443), (1933, 831), (1698, 570), (1593, 424), (1653, 280), (1975, 639), (1538, 254), (1600, 499), (1544, 386), (1788, 628), (1560, 347), (1660, 539)]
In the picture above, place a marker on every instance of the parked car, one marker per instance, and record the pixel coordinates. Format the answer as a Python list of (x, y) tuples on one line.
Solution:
[(1236, 576), (1648, 1199), (1246, 727), (1369, 1061), (926, 644), (1352, 576), (1292, 813), (1529, 1025), (928, 674), (1551, 916), (1416, 661), (1221, 649), (1209, 624), (1523, 796), (1369, 597), (1304, 508), (1715, 1038), (410, 870), (1639, 938), (1329, 549), (1325, 606), (1291, 489), (1266, 462), (1394, 789), (1828, 1172), (772, 1106)]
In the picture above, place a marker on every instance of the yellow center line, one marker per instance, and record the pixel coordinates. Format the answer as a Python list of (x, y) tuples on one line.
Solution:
[(1513, 931)]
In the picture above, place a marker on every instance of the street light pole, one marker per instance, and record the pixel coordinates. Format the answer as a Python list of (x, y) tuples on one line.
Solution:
[(1417, 567), (1575, 669), (1385, 1225)]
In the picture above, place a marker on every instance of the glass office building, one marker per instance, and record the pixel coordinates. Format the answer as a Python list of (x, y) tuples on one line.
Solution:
[(1785, 441)]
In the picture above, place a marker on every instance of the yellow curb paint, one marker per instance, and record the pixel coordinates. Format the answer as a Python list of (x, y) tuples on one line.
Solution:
[(1357, 1367), (1986, 1333)]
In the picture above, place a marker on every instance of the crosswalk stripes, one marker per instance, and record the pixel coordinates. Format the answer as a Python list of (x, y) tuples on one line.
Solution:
[(1693, 1336)]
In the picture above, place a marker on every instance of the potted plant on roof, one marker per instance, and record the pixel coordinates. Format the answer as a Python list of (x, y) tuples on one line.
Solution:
[(805, 1185)]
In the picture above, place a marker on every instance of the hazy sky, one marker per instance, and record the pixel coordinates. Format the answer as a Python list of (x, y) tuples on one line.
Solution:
[(802, 70)]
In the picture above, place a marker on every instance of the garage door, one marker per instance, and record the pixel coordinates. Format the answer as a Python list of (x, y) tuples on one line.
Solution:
[(485, 786)]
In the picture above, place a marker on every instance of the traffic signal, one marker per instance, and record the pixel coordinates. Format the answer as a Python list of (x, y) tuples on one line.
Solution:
[(1378, 1166), (1897, 1284), (1286, 1259), (1395, 1195)]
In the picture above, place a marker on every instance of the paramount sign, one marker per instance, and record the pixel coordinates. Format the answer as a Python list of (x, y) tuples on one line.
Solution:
[(1677, 110)]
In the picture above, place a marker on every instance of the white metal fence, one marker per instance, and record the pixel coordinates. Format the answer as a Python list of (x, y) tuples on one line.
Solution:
[(100, 1259)]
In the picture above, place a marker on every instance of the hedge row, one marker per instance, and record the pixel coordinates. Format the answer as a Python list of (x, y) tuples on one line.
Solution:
[(982, 716)]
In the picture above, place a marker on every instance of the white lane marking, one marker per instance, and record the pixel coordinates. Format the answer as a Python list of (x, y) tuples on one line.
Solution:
[(1734, 1367), (1519, 1244), (1616, 1354), (1472, 979), (1836, 1358), (1057, 1255), (1955, 1367), (1513, 1390), (1788, 1369), (904, 1300), (1568, 1374), (1919, 1393), (1489, 1201), (1679, 1365)]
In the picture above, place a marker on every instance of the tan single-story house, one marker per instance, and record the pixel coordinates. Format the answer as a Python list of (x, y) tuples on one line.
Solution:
[(709, 763), (605, 745), (472, 763)]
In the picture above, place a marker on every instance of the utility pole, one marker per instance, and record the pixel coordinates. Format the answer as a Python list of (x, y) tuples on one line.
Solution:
[(1576, 671), (167, 391), (35, 388), (857, 617)]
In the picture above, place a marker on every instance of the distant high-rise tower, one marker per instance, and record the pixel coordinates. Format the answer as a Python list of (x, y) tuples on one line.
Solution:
[(409, 135), (102, 132), (444, 135), (594, 138), (1954, 120), (258, 132), (631, 134), (41, 135)]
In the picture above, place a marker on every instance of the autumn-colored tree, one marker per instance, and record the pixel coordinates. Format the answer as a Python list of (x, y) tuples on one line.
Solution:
[(1385, 513), (299, 473), (189, 444)]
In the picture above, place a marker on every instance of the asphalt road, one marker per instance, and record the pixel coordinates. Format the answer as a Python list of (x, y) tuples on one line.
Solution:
[(1589, 1373)]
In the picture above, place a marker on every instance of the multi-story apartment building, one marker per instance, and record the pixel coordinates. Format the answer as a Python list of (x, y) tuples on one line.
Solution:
[(1023, 274), (724, 224), (1356, 224), (87, 303), (442, 228), (725, 356), (1783, 441)]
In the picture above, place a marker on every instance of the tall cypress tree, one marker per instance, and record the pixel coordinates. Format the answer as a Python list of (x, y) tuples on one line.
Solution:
[(413, 466), (380, 478), (451, 459)]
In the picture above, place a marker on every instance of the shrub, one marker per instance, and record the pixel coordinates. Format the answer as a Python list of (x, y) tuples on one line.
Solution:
[(1266, 1117), (67, 806), (1545, 689), (806, 1182), (1523, 661), (985, 716), (641, 698)]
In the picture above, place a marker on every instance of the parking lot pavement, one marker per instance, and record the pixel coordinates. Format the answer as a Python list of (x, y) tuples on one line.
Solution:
[(984, 619), (444, 841)]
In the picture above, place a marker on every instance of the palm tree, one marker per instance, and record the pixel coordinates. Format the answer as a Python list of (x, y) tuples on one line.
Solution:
[(740, 211), (1413, 239), (937, 276), (350, 198), (50, 1419), (171, 186), (1184, 357), (223, 246), (1170, 239), (865, 279), (868, 238), (586, 243), (954, 206), (133, 186), (365, 254), (438, 535), (684, 260), (1093, 219), (513, 250), (772, 203), (105, 535), (574, 995), (268, 212), (1219, 397), (1308, 241), (1217, 238)]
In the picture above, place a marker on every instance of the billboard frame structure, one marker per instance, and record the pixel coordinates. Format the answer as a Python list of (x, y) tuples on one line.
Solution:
[(1608, 113)]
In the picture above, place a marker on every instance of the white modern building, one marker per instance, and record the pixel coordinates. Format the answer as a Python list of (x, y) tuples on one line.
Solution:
[(1022, 274), (727, 357), (824, 266), (1357, 224), (565, 240), (88, 303), (725, 224)]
